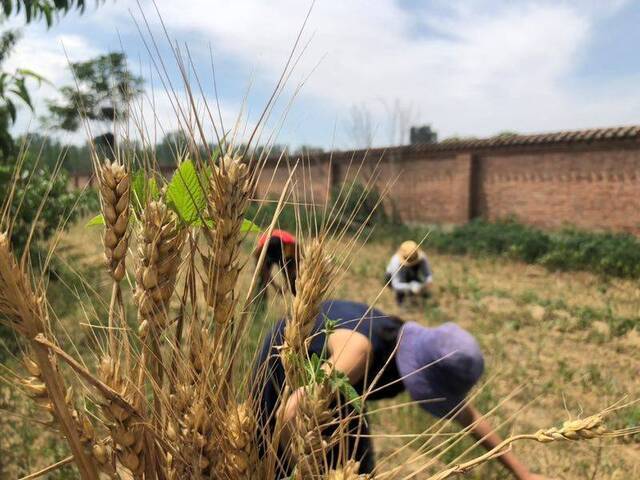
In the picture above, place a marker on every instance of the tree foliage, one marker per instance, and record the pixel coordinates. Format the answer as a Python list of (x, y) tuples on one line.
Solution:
[(104, 87), (47, 10), (35, 182), (13, 84)]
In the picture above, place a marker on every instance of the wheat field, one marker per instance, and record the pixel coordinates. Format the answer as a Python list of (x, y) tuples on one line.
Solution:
[(549, 338)]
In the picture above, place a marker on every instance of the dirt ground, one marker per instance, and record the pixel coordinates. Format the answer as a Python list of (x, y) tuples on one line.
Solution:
[(554, 335), (557, 346)]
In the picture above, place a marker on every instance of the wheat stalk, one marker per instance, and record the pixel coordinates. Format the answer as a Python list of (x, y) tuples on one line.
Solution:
[(573, 430), (26, 312)]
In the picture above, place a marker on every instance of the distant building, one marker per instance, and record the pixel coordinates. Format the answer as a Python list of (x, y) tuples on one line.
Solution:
[(422, 135)]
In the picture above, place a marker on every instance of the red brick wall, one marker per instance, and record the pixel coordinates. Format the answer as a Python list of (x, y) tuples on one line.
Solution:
[(309, 183), (421, 189), (594, 186), (586, 187), (430, 189)]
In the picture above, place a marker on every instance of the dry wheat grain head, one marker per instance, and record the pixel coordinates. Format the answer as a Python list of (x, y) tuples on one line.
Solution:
[(115, 187)]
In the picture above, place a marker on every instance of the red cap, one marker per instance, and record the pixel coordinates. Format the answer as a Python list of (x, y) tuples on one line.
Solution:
[(284, 236)]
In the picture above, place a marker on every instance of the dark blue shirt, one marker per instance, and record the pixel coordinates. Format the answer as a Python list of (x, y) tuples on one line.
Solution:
[(381, 379)]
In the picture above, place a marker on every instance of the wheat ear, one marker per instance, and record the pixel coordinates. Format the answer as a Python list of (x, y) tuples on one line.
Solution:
[(573, 430), (115, 191), (347, 472), (240, 455), (127, 432), (159, 249), (312, 285), (230, 187), (36, 389), (25, 311), (115, 186), (307, 443)]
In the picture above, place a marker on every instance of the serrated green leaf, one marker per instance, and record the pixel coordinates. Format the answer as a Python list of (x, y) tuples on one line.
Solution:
[(329, 325), (313, 369), (186, 193), (95, 221), (249, 226), (208, 222), (339, 381)]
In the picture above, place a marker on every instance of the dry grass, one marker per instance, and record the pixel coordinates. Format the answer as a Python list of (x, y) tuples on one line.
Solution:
[(574, 367), (538, 329)]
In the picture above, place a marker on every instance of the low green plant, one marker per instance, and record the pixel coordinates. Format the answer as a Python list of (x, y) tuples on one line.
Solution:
[(608, 254), (33, 184)]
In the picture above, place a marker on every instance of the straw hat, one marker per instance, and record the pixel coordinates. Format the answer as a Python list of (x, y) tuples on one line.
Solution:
[(410, 253)]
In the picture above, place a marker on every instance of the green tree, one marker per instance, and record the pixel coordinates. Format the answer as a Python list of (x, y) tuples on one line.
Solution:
[(104, 87), (172, 144), (49, 10), (13, 85)]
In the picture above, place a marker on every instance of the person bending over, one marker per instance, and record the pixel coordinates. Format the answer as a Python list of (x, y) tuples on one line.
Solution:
[(409, 272), (282, 251), (382, 356)]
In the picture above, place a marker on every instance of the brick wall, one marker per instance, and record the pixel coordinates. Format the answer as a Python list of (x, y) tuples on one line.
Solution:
[(592, 183), (590, 179), (592, 189)]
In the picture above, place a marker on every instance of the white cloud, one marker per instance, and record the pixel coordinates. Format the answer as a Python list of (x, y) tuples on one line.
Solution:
[(44, 54), (482, 73), (472, 69)]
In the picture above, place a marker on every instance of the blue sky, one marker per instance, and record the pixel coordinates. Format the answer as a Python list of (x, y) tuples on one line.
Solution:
[(468, 68)]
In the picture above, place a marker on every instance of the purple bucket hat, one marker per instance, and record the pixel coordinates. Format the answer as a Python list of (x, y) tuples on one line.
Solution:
[(438, 365)]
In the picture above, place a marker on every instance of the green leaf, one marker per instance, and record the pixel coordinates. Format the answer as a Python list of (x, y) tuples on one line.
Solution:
[(95, 221), (329, 325), (249, 226), (208, 222), (339, 381), (186, 193), (25, 72), (12, 110), (313, 369), (143, 189)]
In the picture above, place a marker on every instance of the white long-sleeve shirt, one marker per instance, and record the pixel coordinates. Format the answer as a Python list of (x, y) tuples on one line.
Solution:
[(403, 276)]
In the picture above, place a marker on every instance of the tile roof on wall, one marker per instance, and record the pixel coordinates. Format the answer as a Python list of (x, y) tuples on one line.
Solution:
[(573, 136), (627, 134)]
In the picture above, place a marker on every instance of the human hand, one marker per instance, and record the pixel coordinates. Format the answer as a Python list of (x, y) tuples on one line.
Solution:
[(416, 287), (290, 408)]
